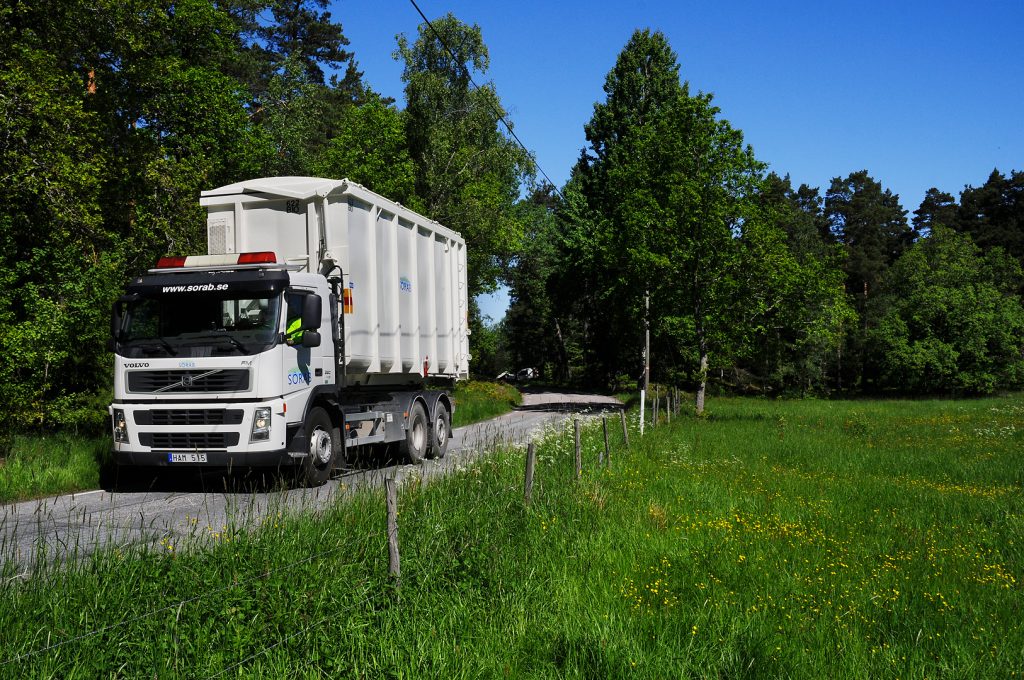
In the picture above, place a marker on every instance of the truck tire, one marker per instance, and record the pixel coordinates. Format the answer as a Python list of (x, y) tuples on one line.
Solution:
[(317, 466), (417, 435), (440, 431)]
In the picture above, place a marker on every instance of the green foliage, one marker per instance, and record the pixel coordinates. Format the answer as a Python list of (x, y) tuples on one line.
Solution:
[(951, 318), (287, 113), (478, 400), (114, 116), (371, 149), (531, 323), (110, 128), (872, 228), (54, 273), (490, 346), (669, 204), (803, 309)]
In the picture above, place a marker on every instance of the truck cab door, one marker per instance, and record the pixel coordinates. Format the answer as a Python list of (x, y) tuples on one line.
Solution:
[(301, 337)]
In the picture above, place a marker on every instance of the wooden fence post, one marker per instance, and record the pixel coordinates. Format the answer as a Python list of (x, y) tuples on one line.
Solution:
[(579, 451), (531, 461), (625, 432), (607, 451), (654, 416), (394, 566)]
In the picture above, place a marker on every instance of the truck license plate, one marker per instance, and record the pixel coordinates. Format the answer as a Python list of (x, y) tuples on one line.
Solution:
[(186, 457)]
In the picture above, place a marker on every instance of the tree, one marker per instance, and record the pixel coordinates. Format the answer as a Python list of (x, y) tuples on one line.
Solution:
[(299, 30), (698, 183), (804, 309), (665, 199), (937, 208), (52, 264), (290, 115), (872, 228), (371, 149), (642, 83), (644, 80), (110, 128), (993, 214), (799, 213), (468, 173), (282, 49), (951, 318)]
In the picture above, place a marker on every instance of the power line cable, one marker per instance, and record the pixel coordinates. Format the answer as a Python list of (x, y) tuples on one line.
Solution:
[(494, 109)]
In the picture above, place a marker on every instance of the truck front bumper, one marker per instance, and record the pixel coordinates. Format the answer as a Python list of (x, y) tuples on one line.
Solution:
[(223, 459)]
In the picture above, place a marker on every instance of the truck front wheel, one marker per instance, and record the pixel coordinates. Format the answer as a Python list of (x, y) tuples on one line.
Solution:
[(417, 435), (317, 466)]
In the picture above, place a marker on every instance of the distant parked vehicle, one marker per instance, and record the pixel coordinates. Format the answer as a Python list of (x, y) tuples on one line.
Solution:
[(526, 374)]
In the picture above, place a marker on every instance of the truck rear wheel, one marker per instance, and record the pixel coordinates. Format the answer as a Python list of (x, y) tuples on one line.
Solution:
[(417, 435), (317, 466), (440, 431)]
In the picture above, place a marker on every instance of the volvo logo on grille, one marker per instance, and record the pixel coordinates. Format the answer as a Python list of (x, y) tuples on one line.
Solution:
[(186, 381)]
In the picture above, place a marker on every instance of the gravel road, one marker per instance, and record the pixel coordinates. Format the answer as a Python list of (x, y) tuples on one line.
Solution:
[(176, 504)]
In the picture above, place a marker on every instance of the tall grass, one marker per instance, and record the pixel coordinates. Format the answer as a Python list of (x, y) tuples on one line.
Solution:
[(772, 539), (478, 400), (35, 466)]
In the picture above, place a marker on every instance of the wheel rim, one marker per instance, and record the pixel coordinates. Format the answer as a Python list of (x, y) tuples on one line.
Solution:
[(441, 431), (320, 447), (419, 435)]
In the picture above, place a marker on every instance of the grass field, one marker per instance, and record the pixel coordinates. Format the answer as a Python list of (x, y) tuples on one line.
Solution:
[(772, 539)]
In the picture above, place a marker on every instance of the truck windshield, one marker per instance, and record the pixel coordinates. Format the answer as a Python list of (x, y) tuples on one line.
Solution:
[(201, 325)]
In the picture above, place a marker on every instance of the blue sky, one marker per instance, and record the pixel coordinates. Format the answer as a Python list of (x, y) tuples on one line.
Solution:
[(920, 94)]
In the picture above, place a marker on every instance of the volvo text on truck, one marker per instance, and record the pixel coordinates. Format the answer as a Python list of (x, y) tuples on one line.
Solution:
[(311, 326)]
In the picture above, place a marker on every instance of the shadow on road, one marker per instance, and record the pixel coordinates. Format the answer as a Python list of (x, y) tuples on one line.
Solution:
[(573, 407), (240, 480), (125, 479)]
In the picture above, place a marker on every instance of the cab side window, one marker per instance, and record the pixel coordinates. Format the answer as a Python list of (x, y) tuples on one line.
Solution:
[(293, 318)]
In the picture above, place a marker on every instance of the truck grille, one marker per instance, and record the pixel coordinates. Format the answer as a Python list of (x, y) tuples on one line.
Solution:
[(188, 440), (172, 382), (193, 416)]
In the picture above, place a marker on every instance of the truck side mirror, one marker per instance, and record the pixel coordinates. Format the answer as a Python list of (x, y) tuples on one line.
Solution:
[(310, 339), (311, 312)]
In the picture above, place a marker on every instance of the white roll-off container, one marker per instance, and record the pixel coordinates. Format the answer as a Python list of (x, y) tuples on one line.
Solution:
[(404, 276)]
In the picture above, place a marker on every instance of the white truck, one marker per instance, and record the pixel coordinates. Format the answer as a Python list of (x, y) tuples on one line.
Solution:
[(310, 327)]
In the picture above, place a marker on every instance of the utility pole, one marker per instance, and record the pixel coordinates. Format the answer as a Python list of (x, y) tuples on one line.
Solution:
[(645, 386)]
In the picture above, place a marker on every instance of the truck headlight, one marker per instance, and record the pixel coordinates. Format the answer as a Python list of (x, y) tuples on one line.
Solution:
[(260, 425), (120, 427)]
